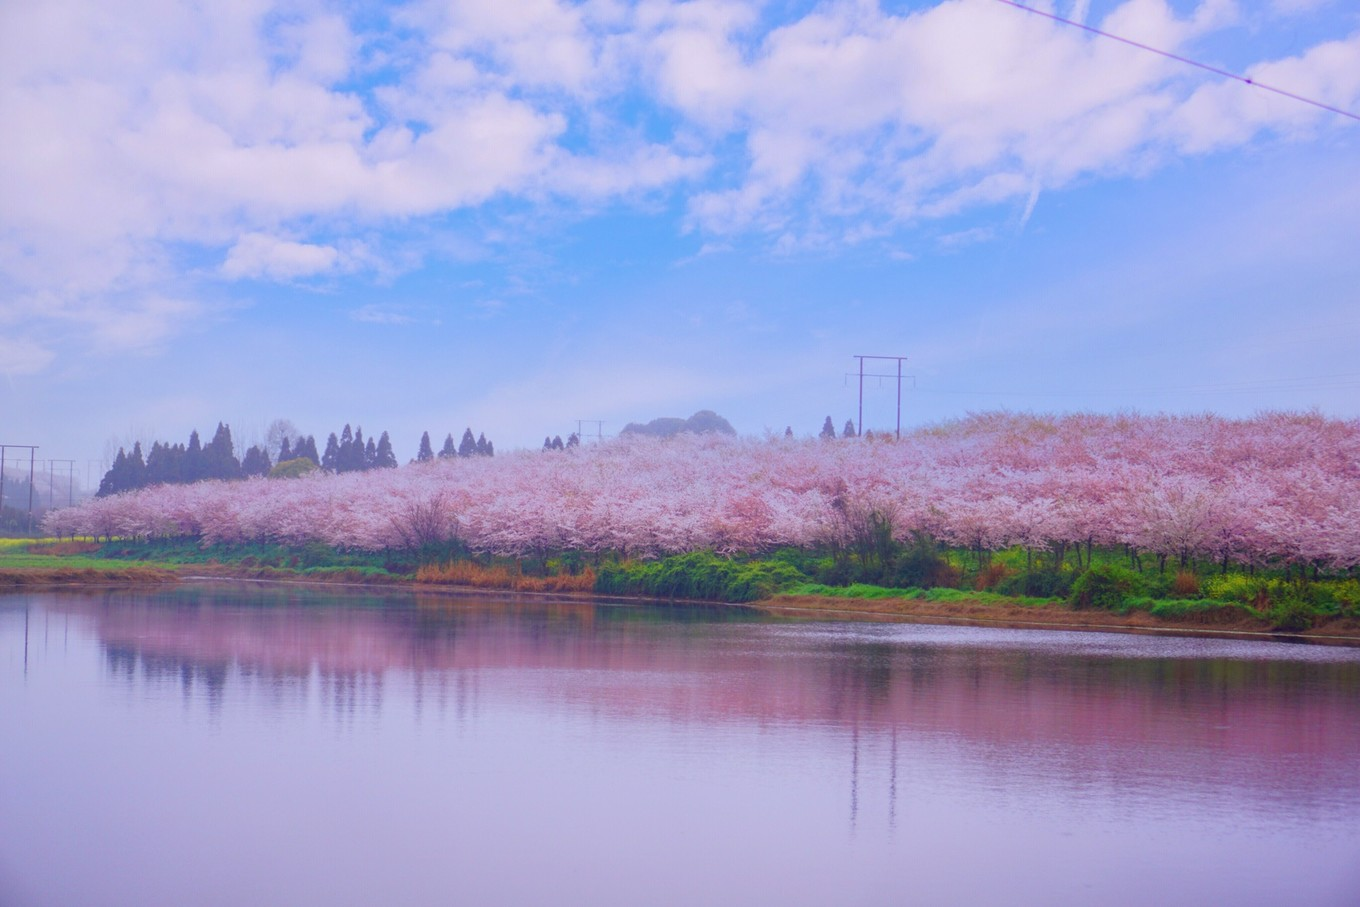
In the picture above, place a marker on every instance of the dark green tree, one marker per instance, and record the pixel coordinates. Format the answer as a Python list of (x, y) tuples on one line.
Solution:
[(468, 446), (330, 460), (828, 430), (219, 458), (256, 462), (385, 458), (192, 470), (307, 449), (426, 452), (448, 450), (849, 430), (115, 480), (285, 451)]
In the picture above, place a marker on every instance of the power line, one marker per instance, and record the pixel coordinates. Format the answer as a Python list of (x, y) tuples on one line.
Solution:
[(1245, 80)]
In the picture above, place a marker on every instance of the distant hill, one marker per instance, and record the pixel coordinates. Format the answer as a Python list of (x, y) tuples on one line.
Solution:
[(704, 421)]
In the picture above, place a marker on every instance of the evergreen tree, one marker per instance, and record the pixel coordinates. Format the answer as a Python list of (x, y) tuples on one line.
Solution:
[(307, 449), (157, 465), (192, 470), (573, 440), (828, 430), (481, 445), (285, 451), (113, 481), (370, 455), (547, 443), (219, 458), (330, 460), (426, 453), (557, 442), (448, 450), (468, 446), (136, 467), (256, 462), (788, 431), (849, 430), (385, 458), (490, 449)]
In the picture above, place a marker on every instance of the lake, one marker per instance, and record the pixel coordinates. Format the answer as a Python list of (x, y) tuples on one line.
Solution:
[(261, 745)]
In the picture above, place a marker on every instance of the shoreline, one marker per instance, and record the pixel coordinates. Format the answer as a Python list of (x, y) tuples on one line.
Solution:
[(1343, 632)]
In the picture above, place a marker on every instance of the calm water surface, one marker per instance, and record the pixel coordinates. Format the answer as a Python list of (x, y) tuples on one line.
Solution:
[(253, 746)]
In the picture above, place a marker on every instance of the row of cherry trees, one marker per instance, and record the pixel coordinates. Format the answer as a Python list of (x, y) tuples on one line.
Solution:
[(1278, 488)]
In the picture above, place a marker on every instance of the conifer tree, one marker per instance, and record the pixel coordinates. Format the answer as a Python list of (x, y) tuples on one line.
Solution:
[(448, 450), (426, 452), (285, 451), (557, 442), (573, 440), (256, 462), (828, 430), (219, 458), (156, 465), (849, 430), (330, 460), (308, 449), (468, 446), (370, 455), (385, 458), (481, 445), (113, 480), (192, 470), (547, 443), (136, 467)]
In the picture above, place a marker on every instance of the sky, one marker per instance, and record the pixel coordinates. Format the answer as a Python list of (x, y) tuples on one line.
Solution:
[(511, 216)]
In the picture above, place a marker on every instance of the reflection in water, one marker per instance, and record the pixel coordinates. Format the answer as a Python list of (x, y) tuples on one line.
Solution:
[(908, 745), (1250, 716)]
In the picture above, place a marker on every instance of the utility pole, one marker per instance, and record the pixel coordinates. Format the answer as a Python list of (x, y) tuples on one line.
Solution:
[(599, 428), (862, 375)]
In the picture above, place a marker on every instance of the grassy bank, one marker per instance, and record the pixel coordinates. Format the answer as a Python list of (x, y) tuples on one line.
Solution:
[(1011, 586)]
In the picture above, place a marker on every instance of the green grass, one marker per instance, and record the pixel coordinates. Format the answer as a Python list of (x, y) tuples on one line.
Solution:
[(11, 559)]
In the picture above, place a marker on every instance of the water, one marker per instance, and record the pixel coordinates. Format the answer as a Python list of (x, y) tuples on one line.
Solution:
[(240, 745)]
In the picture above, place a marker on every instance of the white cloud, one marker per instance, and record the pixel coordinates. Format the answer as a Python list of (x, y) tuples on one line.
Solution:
[(259, 255), (137, 130)]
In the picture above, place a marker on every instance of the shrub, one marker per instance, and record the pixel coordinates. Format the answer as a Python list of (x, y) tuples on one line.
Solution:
[(1185, 585), (1292, 614), (292, 469), (920, 565), (990, 576), (1106, 586), (700, 575)]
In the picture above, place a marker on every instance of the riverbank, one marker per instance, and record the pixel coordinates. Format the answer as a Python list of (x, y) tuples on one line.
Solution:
[(1022, 614), (1039, 614)]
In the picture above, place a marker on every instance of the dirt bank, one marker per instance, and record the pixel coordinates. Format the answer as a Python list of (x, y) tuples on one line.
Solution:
[(1048, 617)]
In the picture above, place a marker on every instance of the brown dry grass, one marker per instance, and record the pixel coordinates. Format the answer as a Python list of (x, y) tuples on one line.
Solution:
[(83, 576), (991, 577), (466, 573), (1185, 585)]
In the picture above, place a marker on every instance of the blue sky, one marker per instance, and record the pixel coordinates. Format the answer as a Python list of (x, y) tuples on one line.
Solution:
[(510, 216)]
